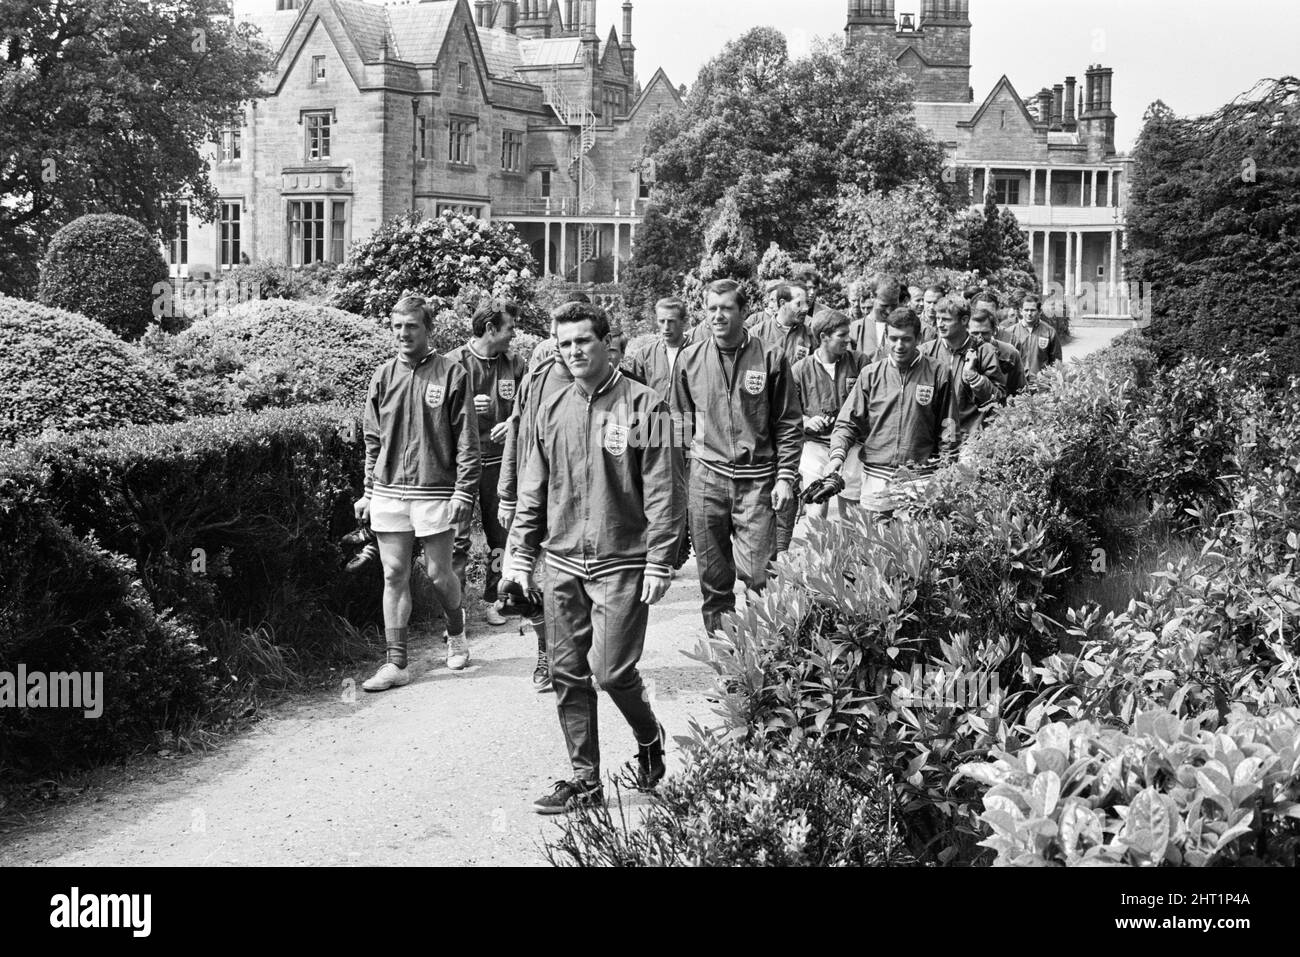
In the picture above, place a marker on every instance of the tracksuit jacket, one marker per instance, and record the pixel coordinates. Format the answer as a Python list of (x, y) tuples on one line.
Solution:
[(498, 378), (421, 432), (547, 377), (968, 405), (1013, 368), (611, 501), (866, 334), (819, 394), (897, 415), (656, 368), (743, 423), (794, 342), (1039, 346)]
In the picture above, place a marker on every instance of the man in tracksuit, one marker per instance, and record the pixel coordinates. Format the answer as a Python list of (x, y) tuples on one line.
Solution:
[(421, 479), (823, 382), (545, 378), (975, 376), (655, 363), (1038, 343), (741, 413), (868, 331), (789, 333), (601, 494), (494, 377), (984, 327), (896, 411)]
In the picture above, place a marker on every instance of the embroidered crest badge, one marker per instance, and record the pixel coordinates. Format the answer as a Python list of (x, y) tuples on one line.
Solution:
[(506, 389), (434, 395), (616, 439), (924, 393), (1044, 342), (800, 352), (754, 382)]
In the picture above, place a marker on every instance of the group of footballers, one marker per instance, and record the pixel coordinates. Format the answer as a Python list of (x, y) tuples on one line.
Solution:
[(597, 470)]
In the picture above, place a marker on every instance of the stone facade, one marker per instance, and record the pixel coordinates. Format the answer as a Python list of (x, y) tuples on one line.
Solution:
[(1051, 158), (504, 109)]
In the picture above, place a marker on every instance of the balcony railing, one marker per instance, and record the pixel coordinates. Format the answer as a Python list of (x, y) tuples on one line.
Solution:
[(562, 207), (1063, 216)]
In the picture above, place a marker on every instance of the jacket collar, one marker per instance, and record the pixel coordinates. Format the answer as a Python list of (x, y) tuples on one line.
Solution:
[(427, 356), (605, 386), (889, 356)]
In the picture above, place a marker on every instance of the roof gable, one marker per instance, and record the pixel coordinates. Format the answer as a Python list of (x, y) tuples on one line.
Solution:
[(612, 57), (659, 84), (1005, 94)]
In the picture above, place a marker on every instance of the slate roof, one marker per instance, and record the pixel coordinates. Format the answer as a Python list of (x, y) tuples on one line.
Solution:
[(419, 29)]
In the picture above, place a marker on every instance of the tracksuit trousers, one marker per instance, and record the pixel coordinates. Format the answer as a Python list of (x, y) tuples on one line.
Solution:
[(733, 530), (492, 531), (596, 630)]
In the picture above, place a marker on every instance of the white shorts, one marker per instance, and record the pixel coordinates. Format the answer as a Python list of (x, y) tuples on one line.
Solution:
[(421, 516), (816, 457), (885, 495)]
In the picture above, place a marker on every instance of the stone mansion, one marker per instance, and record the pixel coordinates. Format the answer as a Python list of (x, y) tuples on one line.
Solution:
[(514, 110)]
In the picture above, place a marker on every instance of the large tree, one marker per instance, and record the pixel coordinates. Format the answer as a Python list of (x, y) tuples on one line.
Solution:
[(105, 107), (1214, 204), (786, 135)]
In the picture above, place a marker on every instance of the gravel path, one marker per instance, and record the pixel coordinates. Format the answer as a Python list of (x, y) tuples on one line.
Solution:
[(440, 772)]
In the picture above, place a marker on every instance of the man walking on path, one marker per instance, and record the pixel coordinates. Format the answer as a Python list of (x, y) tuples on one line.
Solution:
[(656, 363), (896, 411), (494, 377), (741, 414), (544, 379), (869, 332), (984, 327), (422, 474), (602, 494), (1038, 343), (788, 333), (823, 382), (974, 373)]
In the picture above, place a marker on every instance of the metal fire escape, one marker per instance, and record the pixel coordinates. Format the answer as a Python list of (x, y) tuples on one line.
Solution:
[(582, 120)]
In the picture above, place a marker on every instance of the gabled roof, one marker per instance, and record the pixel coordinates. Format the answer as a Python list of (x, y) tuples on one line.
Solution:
[(612, 50), (1002, 84), (275, 26), (501, 50), (367, 26), (419, 29), (660, 79), (915, 52)]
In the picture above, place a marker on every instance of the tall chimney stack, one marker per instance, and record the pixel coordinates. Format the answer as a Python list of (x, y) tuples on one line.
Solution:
[(1058, 95), (482, 10), (1067, 121), (628, 50), (1045, 106)]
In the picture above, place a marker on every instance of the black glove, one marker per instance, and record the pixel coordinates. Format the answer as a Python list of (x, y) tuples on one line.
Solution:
[(824, 489), (513, 600)]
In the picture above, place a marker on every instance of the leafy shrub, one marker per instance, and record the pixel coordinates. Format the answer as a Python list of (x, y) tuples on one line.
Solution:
[(432, 257), (1168, 791), (62, 371), (274, 280), (104, 267), (68, 605), (738, 805), (274, 354), (234, 518)]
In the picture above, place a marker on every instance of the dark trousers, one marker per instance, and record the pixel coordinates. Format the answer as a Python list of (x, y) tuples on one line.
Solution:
[(786, 519), (684, 539), (733, 529), (596, 630), (492, 531)]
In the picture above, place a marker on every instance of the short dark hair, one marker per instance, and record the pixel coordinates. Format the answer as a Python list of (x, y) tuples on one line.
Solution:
[(1037, 297), (935, 288), (415, 306), (493, 314), (584, 312), (728, 287), (982, 314), (987, 295), (578, 297), (784, 293), (956, 305), (827, 321), (905, 318), (887, 287), (672, 302)]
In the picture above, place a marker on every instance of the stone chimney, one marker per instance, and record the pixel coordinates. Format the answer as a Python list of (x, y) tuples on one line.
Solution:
[(483, 13), (1058, 96), (628, 50), (1067, 121), (1045, 106)]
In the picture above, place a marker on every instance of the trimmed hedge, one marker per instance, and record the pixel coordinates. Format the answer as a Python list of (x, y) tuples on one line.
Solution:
[(62, 371), (125, 547), (103, 266), (274, 353)]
